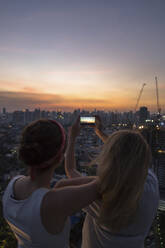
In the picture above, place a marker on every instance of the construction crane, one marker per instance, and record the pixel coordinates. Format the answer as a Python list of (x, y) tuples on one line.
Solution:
[(139, 96), (157, 96)]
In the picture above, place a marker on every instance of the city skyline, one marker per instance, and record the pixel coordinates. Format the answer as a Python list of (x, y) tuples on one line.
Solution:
[(81, 54), (4, 111)]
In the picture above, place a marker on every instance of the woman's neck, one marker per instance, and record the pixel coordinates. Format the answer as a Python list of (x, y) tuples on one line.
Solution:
[(41, 180)]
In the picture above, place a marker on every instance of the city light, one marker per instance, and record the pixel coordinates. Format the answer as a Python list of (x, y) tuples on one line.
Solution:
[(161, 151)]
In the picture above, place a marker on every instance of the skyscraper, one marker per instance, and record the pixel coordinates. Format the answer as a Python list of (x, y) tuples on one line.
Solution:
[(4, 111), (161, 160), (143, 114)]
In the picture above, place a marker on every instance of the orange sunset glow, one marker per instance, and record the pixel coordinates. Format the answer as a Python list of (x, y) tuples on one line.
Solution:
[(61, 57)]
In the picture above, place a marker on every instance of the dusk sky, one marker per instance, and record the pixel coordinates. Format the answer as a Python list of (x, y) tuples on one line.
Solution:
[(71, 54)]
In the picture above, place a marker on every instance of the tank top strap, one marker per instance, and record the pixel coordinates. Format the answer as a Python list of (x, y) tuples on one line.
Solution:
[(9, 189)]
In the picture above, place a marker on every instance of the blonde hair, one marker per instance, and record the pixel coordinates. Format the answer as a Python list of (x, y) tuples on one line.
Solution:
[(122, 169)]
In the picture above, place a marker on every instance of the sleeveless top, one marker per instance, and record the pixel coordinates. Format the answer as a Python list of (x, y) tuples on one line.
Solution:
[(132, 236), (23, 217)]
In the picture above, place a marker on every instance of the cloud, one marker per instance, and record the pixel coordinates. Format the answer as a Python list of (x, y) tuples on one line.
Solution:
[(31, 90), (20, 86), (20, 100), (31, 99)]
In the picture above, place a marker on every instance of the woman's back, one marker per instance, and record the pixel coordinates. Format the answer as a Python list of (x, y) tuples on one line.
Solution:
[(95, 235), (38, 215), (24, 218)]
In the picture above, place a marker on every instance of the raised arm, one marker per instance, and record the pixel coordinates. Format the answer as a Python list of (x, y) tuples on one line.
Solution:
[(70, 195), (98, 130), (70, 163), (74, 181)]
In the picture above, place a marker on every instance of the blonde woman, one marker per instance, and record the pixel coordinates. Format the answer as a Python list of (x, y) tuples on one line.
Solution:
[(128, 188)]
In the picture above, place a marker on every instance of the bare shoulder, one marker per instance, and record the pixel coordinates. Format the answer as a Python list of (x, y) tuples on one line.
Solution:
[(52, 216), (20, 189)]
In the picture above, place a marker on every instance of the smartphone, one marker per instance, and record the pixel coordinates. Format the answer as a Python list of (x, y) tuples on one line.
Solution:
[(87, 120)]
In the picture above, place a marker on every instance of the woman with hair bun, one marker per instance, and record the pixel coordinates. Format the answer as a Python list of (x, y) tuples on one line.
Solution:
[(129, 193), (37, 214)]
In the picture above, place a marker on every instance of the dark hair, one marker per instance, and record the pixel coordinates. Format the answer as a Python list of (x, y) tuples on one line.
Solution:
[(40, 141), (123, 167)]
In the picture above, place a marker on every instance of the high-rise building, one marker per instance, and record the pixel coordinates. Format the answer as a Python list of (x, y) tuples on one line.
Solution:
[(155, 137), (28, 116), (4, 111), (36, 114), (19, 117), (43, 114), (160, 159), (160, 226), (143, 114), (158, 148)]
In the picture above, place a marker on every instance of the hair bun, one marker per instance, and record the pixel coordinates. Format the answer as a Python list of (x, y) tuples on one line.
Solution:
[(31, 152), (40, 141)]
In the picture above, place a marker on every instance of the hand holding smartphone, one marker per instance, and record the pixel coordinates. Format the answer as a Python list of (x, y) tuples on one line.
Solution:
[(86, 120)]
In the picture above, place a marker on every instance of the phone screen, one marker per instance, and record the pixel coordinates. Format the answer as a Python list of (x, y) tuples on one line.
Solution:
[(87, 120)]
